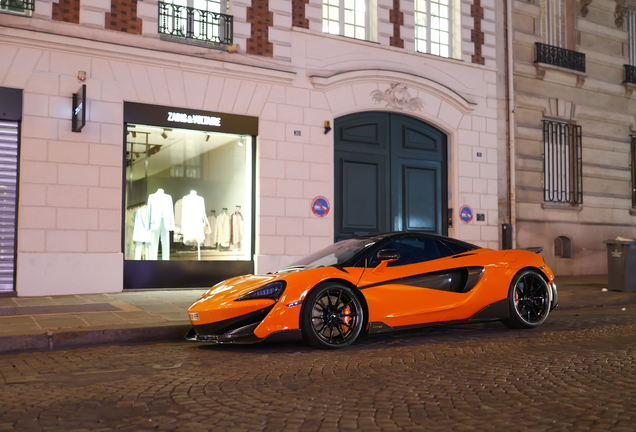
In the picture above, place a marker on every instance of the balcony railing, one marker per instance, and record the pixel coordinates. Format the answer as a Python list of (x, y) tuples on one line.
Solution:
[(630, 74), (195, 25), (17, 5), (561, 57)]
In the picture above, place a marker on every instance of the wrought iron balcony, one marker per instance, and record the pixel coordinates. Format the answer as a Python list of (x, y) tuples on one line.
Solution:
[(630, 74), (188, 24), (19, 6), (560, 57)]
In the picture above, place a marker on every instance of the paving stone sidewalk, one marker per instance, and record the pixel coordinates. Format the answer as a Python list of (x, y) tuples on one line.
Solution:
[(62, 322)]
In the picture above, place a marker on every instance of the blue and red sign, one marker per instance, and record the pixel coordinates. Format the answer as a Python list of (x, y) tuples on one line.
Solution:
[(466, 214), (320, 206)]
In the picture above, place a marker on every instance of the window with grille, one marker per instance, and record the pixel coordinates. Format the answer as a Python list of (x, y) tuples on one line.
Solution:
[(200, 21), (432, 27), (345, 18), (562, 177), (21, 7)]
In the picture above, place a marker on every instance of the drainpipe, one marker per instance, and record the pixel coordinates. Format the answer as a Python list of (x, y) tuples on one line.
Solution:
[(510, 121)]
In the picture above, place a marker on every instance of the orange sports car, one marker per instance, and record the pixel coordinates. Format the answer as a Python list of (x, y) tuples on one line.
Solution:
[(378, 284)]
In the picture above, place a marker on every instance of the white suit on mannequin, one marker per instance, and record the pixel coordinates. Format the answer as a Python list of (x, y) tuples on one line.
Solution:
[(161, 221), (193, 219)]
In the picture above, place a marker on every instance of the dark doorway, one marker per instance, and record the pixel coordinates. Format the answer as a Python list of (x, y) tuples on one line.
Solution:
[(390, 175)]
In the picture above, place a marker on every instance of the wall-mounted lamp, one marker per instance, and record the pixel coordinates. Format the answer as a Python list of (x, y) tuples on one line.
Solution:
[(240, 143), (233, 48), (134, 134), (207, 137), (81, 76), (164, 135), (327, 127)]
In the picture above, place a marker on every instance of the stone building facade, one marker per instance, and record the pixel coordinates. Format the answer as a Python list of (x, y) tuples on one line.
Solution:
[(574, 125), (281, 74)]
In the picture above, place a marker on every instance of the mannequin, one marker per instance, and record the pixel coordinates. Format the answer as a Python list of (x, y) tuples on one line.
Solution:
[(161, 221), (142, 236), (193, 220)]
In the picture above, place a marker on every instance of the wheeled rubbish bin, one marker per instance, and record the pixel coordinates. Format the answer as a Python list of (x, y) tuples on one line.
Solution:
[(621, 265)]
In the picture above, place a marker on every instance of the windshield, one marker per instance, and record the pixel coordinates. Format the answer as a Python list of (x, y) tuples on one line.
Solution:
[(335, 254)]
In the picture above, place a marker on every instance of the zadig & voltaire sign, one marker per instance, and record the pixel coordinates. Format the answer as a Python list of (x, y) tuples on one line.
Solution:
[(202, 120)]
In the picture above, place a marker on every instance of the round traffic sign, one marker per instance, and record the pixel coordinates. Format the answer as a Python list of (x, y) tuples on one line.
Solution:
[(320, 206), (466, 214)]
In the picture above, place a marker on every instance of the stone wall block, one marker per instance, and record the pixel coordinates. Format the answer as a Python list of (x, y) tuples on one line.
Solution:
[(37, 217), (21, 68), (109, 176), (272, 168), (141, 80), (80, 175), (228, 94), (105, 155), (70, 152), (289, 226), (195, 89), (297, 246), (43, 84), (272, 207), (297, 207), (297, 170), (104, 198), (77, 219), (104, 241), (213, 93), (31, 240), (289, 188), (32, 194), (35, 104), (244, 97)]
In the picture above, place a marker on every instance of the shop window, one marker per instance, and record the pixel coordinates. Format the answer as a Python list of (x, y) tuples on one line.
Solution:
[(21, 7), (346, 18), (563, 247), (196, 21), (562, 177), (433, 27), (188, 195)]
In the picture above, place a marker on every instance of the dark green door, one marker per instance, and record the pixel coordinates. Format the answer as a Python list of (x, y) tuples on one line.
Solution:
[(390, 175)]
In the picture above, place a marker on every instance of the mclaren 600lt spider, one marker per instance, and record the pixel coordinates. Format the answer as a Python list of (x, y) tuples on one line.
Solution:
[(378, 284)]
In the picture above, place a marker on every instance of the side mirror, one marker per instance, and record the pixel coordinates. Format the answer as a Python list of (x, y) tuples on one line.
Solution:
[(388, 255)]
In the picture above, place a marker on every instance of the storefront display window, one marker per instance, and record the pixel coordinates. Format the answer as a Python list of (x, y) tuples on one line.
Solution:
[(188, 195)]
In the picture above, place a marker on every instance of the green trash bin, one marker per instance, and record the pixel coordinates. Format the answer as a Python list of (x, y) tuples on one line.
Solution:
[(621, 265)]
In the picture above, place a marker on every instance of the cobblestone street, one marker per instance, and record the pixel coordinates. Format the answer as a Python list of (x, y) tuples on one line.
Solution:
[(577, 372)]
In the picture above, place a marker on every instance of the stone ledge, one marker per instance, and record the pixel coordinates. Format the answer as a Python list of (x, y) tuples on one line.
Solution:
[(561, 206), (542, 67)]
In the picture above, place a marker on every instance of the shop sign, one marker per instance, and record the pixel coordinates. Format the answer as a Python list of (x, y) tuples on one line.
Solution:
[(466, 214), (201, 120), (320, 206), (79, 109)]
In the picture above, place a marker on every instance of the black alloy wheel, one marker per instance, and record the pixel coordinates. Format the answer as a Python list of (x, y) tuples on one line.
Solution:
[(529, 300), (332, 316)]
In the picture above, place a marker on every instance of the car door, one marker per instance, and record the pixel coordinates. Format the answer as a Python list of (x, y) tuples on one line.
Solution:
[(417, 288)]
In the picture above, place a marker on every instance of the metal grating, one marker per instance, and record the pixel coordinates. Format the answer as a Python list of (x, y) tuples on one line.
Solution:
[(557, 56), (8, 201), (57, 309), (562, 175)]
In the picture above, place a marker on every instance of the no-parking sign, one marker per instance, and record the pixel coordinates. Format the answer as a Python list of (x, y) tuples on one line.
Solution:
[(466, 214), (320, 206)]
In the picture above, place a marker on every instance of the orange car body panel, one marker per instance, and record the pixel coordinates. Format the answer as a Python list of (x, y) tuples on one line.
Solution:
[(388, 301)]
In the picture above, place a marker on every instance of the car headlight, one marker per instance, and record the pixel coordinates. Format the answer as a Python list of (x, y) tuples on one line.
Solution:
[(272, 291)]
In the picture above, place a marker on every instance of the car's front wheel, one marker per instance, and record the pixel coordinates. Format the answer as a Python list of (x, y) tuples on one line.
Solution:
[(528, 299), (332, 316)]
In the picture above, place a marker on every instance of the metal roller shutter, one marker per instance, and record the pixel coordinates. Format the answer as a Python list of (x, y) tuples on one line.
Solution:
[(8, 202)]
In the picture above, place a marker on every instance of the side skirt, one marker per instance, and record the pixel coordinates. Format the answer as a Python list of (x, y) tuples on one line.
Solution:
[(493, 312)]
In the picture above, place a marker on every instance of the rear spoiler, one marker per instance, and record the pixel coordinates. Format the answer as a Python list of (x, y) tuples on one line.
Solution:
[(537, 249)]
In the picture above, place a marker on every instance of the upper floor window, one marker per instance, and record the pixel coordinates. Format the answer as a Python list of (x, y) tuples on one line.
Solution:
[(22, 7), (433, 27), (631, 30), (203, 21), (562, 176), (345, 18), (557, 23)]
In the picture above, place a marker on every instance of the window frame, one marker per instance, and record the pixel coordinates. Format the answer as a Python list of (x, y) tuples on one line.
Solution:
[(427, 14), (562, 151), (341, 19)]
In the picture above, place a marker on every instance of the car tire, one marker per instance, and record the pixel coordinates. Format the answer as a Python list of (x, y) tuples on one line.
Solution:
[(332, 316), (529, 299)]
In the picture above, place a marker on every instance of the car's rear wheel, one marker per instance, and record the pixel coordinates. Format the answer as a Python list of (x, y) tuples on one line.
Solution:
[(529, 300), (332, 316)]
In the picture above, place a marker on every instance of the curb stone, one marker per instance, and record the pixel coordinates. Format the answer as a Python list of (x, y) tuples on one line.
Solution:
[(52, 341)]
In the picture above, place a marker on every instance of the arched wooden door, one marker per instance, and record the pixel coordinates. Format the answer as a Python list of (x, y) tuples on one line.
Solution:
[(390, 175)]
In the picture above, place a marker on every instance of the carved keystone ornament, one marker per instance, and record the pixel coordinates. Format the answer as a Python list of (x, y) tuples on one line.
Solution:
[(397, 97)]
